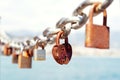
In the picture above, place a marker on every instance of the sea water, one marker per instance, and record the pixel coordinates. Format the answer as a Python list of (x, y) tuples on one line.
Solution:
[(79, 68)]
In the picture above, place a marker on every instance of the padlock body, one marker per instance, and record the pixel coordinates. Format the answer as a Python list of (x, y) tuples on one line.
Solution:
[(7, 50), (62, 53), (69, 52), (39, 54), (59, 54), (15, 58), (97, 36), (24, 61)]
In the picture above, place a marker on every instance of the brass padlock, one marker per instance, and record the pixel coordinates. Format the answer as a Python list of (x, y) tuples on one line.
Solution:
[(39, 54), (15, 55), (14, 58), (62, 53), (24, 60), (97, 36), (7, 50)]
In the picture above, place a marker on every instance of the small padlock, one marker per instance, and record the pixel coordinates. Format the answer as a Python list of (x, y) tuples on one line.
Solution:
[(62, 53), (7, 50), (97, 36), (15, 55), (15, 58), (39, 54), (24, 60)]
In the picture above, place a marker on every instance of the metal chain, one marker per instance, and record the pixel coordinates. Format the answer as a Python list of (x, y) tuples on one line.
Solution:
[(65, 24), (81, 18)]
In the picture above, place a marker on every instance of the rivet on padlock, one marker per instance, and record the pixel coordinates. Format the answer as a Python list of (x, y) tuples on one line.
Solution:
[(39, 54), (62, 53)]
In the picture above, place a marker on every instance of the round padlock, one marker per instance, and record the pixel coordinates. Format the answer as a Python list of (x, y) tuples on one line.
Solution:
[(62, 53)]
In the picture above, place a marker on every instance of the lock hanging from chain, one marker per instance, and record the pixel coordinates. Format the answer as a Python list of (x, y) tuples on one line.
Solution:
[(97, 36), (39, 53), (62, 53), (24, 60), (7, 50), (15, 54)]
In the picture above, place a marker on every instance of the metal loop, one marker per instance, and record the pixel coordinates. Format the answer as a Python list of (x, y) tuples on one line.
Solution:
[(82, 20), (51, 40), (86, 3), (79, 9), (76, 21), (103, 6), (48, 32), (66, 30), (63, 21), (42, 42)]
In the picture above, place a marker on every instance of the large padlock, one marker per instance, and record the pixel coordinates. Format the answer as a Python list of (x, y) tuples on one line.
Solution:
[(62, 53), (39, 54), (24, 60), (97, 36)]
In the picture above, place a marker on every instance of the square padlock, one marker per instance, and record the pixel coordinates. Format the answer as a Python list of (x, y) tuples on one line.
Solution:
[(39, 54)]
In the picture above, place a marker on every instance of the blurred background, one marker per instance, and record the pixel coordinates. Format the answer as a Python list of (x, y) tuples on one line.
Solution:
[(24, 19)]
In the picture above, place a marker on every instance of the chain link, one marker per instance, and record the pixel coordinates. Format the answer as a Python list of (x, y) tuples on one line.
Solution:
[(87, 3), (82, 20)]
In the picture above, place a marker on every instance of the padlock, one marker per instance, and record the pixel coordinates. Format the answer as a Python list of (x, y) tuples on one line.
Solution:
[(24, 60), (62, 53), (15, 55), (97, 36), (39, 54), (7, 50), (15, 58)]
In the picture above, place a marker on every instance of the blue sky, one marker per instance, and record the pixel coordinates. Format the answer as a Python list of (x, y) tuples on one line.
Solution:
[(39, 14)]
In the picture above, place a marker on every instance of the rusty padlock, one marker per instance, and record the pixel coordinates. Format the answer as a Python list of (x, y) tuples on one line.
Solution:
[(62, 53), (97, 36)]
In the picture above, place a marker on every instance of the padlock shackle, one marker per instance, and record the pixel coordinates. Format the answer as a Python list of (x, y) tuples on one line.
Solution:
[(91, 13), (58, 37)]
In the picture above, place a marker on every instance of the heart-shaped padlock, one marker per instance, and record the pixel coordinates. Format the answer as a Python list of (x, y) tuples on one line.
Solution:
[(62, 53)]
